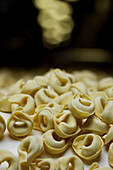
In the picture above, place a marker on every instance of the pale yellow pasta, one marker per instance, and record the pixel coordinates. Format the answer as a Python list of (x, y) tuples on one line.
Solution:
[(13, 163), (59, 81), (65, 98), (24, 100), (16, 87), (30, 87), (81, 106), (43, 119), (88, 146), (41, 163), (96, 94), (19, 125), (53, 143), (41, 80), (110, 155), (105, 83), (71, 77), (109, 136), (96, 166), (55, 107), (65, 124), (70, 162), (46, 95), (100, 103), (110, 92), (2, 126), (94, 125), (29, 149), (78, 87), (91, 91), (5, 105)]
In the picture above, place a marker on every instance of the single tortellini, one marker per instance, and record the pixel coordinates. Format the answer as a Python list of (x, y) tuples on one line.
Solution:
[(70, 162), (94, 125), (16, 87), (45, 96), (43, 119), (65, 98), (96, 94), (29, 149), (53, 143), (105, 83), (109, 136), (110, 92), (5, 105), (71, 77), (78, 87), (24, 100), (59, 81), (88, 146), (96, 166), (2, 126), (41, 163), (41, 80), (81, 106), (65, 124), (19, 125), (13, 163), (110, 155)]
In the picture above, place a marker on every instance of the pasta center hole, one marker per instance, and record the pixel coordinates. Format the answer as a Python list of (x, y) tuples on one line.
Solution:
[(4, 165), (88, 141), (57, 138)]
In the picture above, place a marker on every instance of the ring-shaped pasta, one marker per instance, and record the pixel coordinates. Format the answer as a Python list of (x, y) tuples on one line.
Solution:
[(24, 100), (65, 98), (70, 162), (53, 143), (2, 126), (88, 146), (59, 81), (96, 166), (65, 124), (29, 149), (109, 136), (11, 159), (5, 105), (105, 83), (81, 106), (110, 155), (19, 125), (55, 107), (78, 87), (43, 120), (41, 163), (45, 96), (94, 125)]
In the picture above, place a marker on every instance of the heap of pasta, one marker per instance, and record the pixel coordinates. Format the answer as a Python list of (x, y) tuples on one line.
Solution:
[(70, 109)]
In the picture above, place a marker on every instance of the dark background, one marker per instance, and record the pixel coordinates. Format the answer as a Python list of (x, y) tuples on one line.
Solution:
[(21, 39)]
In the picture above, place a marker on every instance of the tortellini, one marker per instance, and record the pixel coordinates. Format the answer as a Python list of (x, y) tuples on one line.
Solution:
[(59, 81), (41, 163), (45, 96), (2, 126), (105, 83), (88, 146), (65, 124), (29, 149), (13, 163), (5, 105), (81, 106), (72, 162), (43, 119), (19, 125), (53, 143), (109, 136), (78, 87), (110, 155), (96, 166)]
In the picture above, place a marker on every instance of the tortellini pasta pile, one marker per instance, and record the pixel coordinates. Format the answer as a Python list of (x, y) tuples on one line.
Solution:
[(71, 110)]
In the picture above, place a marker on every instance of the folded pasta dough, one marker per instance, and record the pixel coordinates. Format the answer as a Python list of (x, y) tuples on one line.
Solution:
[(78, 87), (53, 143), (110, 155), (29, 149), (41, 80), (105, 83), (109, 136), (2, 126), (19, 125), (13, 163), (110, 92), (65, 124), (81, 106), (88, 146), (55, 107), (65, 98), (96, 166), (5, 105), (46, 95), (41, 163), (59, 81), (43, 119), (70, 162), (24, 100), (94, 125)]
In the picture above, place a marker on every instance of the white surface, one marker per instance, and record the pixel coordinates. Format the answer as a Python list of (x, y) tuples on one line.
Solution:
[(10, 144)]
